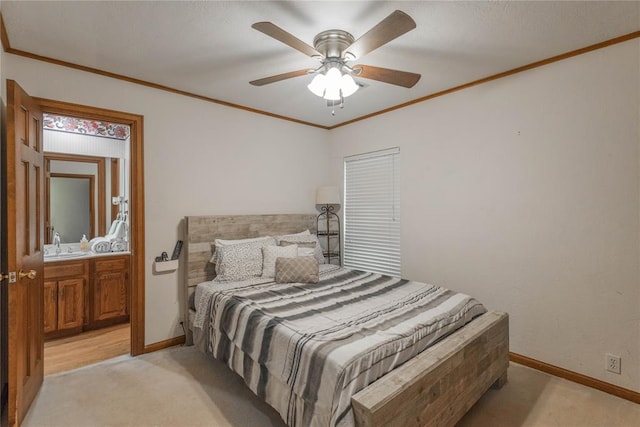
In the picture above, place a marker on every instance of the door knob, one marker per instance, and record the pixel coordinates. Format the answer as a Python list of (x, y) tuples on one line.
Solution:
[(31, 274)]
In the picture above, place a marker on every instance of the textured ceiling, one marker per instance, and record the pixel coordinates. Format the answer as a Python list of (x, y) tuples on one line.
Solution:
[(209, 48)]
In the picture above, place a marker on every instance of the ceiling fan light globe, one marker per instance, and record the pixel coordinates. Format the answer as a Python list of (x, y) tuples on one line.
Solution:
[(348, 85), (333, 77), (318, 85)]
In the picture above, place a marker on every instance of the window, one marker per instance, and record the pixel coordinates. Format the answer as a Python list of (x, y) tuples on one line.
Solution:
[(372, 212)]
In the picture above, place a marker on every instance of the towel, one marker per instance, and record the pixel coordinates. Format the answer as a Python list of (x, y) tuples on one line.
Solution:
[(118, 245), (100, 245), (119, 233), (112, 229)]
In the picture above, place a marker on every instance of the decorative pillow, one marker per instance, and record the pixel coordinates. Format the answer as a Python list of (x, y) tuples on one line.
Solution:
[(240, 261), (222, 242), (304, 248), (303, 269), (312, 238), (271, 253)]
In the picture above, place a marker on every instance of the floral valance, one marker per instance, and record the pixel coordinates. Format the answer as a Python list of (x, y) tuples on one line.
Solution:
[(85, 127)]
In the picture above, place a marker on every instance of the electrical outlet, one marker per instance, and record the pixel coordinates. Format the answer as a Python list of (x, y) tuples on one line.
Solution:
[(612, 363)]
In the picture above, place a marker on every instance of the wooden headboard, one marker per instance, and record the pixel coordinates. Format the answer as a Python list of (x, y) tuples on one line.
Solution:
[(200, 234)]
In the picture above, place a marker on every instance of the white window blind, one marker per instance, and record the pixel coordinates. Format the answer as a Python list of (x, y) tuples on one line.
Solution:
[(372, 212)]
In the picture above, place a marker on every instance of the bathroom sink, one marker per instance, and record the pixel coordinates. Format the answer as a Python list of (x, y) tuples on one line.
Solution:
[(65, 255)]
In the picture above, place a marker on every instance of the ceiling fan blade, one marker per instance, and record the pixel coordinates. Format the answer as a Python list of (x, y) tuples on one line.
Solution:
[(279, 77), (389, 28), (387, 75), (281, 35)]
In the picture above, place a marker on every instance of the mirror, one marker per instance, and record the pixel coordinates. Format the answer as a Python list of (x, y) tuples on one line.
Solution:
[(75, 196), (71, 209)]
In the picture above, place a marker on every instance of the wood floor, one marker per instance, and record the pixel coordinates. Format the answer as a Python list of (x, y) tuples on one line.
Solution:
[(86, 348)]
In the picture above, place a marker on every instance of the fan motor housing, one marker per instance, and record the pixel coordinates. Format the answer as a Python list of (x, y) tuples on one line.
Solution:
[(332, 43)]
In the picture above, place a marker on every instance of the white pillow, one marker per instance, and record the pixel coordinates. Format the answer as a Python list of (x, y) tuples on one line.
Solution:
[(240, 261), (304, 248), (293, 239), (306, 252), (221, 242), (271, 253)]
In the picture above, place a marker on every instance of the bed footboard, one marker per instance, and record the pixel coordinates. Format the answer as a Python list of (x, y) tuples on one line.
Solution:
[(437, 387)]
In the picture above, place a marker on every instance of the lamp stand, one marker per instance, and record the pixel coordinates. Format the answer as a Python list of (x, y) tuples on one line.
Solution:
[(327, 214)]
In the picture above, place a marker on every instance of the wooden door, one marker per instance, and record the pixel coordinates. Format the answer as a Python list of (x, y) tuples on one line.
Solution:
[(70, 303), (25, 239)]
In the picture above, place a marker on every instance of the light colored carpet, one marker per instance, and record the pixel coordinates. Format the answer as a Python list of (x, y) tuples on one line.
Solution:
[(181, 387), (178, 386)]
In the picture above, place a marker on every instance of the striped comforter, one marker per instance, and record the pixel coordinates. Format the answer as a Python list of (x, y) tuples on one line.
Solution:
[(307, 348)]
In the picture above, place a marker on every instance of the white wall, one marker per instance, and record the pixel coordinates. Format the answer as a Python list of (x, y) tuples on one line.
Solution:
[(525, 193), (199, 158)]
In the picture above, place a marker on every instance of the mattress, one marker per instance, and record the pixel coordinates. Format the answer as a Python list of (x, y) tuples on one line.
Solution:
[(307, 348)]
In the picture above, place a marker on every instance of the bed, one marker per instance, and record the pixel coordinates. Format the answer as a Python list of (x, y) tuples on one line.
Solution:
[(436, 386)]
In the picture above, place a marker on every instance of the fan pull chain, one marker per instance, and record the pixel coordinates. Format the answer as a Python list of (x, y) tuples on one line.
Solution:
[(333, 105)]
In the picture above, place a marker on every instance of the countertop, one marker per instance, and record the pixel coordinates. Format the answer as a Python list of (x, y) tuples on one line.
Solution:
[(75, 253)]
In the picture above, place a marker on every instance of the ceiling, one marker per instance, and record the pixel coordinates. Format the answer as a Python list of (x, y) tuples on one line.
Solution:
[(208, 48)]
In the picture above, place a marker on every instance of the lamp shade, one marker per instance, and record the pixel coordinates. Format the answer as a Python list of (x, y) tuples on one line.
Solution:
[(318, 85), (347, 85), (327, 196)]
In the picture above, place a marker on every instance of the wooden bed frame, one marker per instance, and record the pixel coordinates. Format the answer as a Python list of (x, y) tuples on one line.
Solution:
[(435, 388)]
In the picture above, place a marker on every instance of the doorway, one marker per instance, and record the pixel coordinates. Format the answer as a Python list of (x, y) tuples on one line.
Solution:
[(135, 205), (84, 201)]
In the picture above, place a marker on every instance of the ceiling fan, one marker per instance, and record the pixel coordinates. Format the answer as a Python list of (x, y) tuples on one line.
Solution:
[(334, 48)]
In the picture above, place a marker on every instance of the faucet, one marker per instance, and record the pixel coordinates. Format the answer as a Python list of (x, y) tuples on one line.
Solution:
[(56, 242)]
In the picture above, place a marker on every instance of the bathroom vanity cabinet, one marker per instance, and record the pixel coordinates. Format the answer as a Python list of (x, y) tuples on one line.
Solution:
[(85, 294), (64, 297), (110, 291)]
